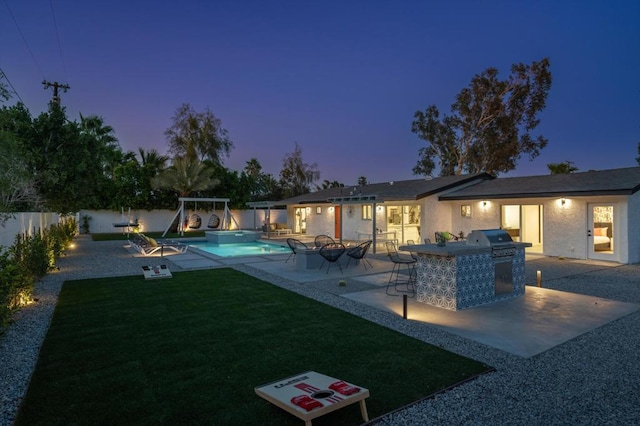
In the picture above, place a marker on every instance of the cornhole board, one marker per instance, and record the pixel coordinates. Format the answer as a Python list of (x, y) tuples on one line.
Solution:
[(316, 386), (155, 272)]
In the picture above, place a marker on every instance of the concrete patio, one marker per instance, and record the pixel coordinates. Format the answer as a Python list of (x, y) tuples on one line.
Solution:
[(526, 326)]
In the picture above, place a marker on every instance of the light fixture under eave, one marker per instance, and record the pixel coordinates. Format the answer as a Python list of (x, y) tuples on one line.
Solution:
[(308, 209), (379, 208), (331, 209)]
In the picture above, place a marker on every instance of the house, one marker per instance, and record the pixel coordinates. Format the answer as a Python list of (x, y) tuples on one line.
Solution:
[(381, 212), (587, 215)]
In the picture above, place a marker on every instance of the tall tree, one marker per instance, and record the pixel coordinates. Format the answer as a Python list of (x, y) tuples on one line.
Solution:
[(297, 176), (562, 168), (186, 175), (67, 162), (490, 126), (362, 181), (17, 186), (198, 135), (331, 184)]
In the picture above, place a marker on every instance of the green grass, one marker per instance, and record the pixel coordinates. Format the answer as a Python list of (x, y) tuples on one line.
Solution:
[(191, 349), (119, 236)]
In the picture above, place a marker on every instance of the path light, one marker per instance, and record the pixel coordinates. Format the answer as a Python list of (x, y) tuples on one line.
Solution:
[(539, 277), (404, 306)]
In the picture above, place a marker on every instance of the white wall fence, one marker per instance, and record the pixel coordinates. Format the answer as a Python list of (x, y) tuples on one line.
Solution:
[(102, 221), (25, 223)]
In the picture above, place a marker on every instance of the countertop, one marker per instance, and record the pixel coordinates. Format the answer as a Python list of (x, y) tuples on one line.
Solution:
[(454, 249)]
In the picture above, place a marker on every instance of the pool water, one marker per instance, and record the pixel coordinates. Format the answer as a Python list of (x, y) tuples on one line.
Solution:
[(239, 249)]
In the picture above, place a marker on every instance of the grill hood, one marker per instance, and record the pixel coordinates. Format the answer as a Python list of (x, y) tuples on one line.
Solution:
[(489, 238)]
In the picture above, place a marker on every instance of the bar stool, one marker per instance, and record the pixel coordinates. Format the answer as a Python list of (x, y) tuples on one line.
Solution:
[(398, 261)]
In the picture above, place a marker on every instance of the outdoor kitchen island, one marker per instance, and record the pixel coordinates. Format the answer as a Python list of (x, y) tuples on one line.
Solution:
[(488, 267)]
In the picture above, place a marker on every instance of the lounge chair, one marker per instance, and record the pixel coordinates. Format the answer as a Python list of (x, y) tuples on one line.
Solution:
[(148, 246), (323, 240), (331, 253), (359, 252), (294, 245)]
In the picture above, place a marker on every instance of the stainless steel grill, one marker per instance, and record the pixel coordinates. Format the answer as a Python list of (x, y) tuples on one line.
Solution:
[(498, 239), (502, 251)]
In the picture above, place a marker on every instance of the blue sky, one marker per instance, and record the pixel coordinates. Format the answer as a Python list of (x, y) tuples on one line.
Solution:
[(341, 78)]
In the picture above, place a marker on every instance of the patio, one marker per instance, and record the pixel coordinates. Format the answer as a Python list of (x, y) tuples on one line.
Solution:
[(525, 326)]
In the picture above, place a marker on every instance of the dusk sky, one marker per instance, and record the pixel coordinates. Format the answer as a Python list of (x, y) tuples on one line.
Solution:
[(341, 78)]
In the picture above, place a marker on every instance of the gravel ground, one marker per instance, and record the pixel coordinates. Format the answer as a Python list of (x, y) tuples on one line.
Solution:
[(590, 380)]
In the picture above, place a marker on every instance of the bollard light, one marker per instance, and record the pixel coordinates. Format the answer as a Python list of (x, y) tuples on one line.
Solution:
[(539, 277), (404, 306)]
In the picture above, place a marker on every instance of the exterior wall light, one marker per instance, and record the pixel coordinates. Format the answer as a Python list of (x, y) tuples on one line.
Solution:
[(563, 202), (379, 209), (331, 209), (308, 209)]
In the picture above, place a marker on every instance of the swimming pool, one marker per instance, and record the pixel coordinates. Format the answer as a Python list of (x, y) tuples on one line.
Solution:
[(239, 249)]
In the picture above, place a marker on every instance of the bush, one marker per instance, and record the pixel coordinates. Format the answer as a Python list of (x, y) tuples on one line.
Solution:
[(16, 286), (28, 259)]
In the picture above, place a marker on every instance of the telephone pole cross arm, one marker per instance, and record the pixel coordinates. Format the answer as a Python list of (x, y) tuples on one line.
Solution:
[(56, 86)]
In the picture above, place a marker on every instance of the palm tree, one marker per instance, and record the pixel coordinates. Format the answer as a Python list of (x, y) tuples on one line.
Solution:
[(152, 159), (253, 168), (185, 176)]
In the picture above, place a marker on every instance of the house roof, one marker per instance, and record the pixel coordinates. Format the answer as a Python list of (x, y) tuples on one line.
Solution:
[(388, 191), (624, 181)]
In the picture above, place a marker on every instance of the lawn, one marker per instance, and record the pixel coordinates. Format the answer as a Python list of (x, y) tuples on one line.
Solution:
[(191, 349)]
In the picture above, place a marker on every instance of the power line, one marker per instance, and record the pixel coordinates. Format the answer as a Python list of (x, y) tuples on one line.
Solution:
[(55, 26), (2, 74), (23, 39)]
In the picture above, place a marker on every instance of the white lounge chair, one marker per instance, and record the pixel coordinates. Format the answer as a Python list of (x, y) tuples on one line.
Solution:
[(148, 246)]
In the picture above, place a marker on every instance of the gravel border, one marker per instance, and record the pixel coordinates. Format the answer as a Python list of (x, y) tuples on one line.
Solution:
[(590, 380)]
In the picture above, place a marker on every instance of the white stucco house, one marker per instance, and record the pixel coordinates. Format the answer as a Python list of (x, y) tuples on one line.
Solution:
[(587, 215)]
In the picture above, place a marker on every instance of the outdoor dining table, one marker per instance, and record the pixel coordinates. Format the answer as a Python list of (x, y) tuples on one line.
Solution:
[(380, 236)]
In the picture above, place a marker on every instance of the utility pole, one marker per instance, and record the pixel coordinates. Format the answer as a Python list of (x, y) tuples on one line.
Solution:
[(56, 86)]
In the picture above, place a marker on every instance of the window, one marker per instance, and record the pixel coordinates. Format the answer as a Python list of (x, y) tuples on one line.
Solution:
[(366, 212), (318, 210), (465, 210)]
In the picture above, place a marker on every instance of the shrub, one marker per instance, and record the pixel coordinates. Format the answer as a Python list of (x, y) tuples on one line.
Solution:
[(28, 259), (16, 286)]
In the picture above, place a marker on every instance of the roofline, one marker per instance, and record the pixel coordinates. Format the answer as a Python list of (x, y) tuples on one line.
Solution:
[(547, 194), (482, 177)]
